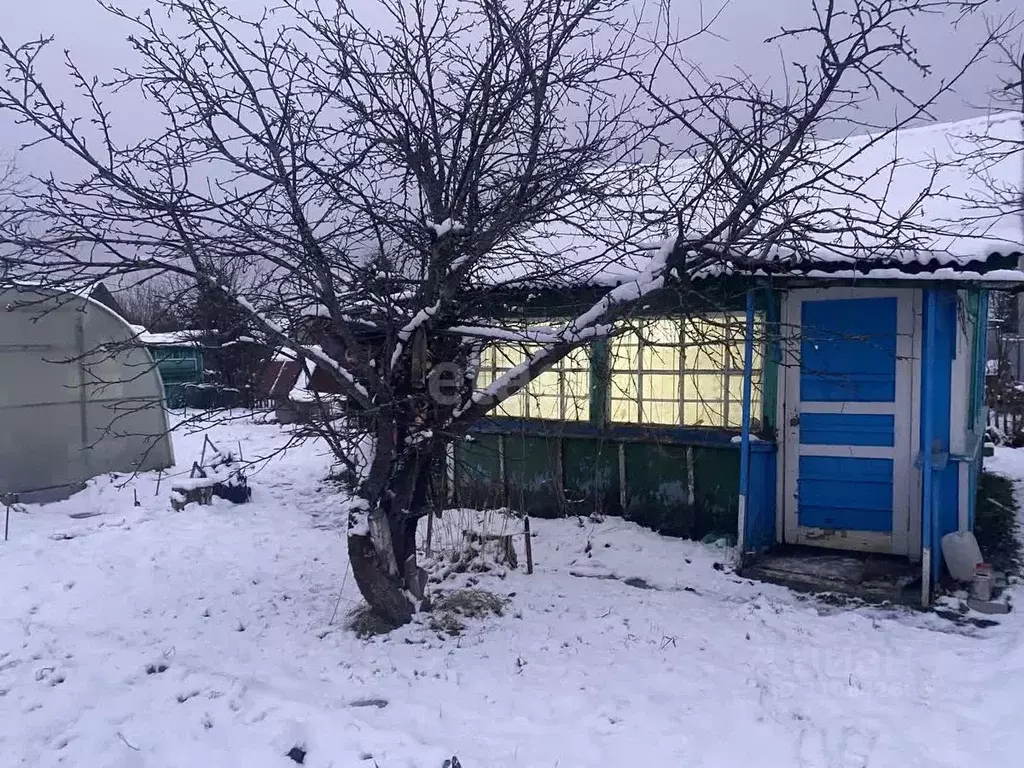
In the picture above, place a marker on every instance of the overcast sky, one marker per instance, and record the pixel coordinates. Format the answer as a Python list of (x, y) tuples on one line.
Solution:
[(97, 42)]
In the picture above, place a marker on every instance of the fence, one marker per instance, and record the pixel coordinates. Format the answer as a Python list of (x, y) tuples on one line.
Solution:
[(1009, 352), (1008, 418)]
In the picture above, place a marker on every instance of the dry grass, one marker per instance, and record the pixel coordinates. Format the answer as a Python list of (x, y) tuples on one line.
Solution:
[(450, 608), (366, 624)]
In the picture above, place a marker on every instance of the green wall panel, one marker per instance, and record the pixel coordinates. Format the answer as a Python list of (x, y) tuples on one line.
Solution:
[(591, 472), (554, 476), (531, 475), (478, 473), (717, 472), (657, 494)]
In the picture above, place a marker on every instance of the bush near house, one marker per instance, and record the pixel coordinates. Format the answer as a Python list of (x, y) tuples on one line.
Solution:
[(995, 523)]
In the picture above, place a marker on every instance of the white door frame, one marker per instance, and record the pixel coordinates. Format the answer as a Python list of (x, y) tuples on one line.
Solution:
[(905, 537)]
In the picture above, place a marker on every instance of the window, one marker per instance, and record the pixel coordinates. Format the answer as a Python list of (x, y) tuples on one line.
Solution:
[(683, 372), (561, 392)]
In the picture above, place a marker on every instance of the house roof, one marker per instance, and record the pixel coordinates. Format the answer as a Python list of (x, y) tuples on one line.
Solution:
[(951, 191), (285, 377), (99, 292), (168, 339)]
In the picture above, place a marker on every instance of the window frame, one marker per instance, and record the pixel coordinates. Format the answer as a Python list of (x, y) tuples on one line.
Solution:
[(495, 360), (729, 374)]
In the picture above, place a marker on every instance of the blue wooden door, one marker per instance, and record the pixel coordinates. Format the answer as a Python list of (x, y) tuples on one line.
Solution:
[(848, 419)]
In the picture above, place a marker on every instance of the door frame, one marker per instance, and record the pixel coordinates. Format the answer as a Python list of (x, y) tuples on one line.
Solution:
[(905, 538)]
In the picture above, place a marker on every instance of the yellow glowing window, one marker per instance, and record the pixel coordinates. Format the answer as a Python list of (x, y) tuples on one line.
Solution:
[(561, 392), (685, 371)]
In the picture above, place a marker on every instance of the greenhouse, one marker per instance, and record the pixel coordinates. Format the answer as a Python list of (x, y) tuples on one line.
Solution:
[(78, 396)]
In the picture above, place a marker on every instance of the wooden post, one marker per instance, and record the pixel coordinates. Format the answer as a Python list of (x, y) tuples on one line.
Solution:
[(430, 528), (8, 500), (529, 545)]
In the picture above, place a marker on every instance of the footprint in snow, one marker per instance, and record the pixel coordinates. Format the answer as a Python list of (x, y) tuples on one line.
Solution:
[(811, 752), (855, 748), (50, 676)]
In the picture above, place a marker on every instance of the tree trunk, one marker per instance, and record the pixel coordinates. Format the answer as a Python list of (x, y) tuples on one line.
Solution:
[(380, 581), (383, 557)]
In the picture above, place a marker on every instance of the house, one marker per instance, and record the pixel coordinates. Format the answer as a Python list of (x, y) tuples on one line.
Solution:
[(179, 357), (77, 397), (291, 386), (830, 407)]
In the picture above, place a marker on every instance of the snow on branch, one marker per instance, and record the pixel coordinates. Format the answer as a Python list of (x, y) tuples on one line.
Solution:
[(309, 351), (526, 336), (419, 319), (449, 226), (589, 326)]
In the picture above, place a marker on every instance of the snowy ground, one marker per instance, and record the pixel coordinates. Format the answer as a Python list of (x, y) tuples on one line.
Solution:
[(235, 604)]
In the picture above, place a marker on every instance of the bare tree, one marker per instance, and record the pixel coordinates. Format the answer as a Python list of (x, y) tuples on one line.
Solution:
[(384, 189), (985, 149), (155, 304), (11, 216)]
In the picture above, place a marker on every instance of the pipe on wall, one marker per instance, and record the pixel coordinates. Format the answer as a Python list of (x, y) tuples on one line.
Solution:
[(748, 368), (927, 448)]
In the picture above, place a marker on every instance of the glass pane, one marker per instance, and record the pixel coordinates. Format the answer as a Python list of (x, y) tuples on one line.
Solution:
[(624, 385), (513, 406), (756, 411), (661, 387), (545, 384), (736, 388), (578, 359), (704, 356), (658, 412), (703, 386), (736, 414), (509, 355), (705, 414), (663, 331), (577, 384), (485, 375), (577, 408), (625, 411), (739, 344), (661, 358), (704, 345), (734, 361), (690, 414), (544, 408), (624, 353)]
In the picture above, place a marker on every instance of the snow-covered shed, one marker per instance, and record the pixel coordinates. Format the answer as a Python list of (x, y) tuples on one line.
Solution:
[(292, 386), (78, 397), (180, 357), (824, 403)]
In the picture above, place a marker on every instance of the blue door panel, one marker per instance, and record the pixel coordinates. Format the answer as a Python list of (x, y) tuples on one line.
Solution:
[(848, 350), (848, 429), (844, 493)]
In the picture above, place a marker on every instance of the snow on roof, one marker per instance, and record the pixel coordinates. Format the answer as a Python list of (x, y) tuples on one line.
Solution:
[(943, 186), (944, 180), (301, 391), (168, 339)]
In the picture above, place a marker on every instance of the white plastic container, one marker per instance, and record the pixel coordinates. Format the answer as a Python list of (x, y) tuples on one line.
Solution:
[(961, 552)]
